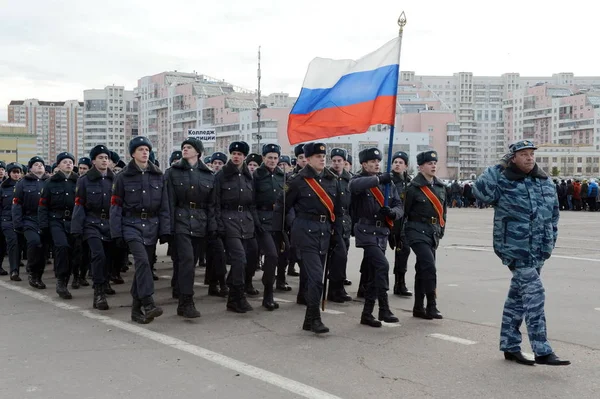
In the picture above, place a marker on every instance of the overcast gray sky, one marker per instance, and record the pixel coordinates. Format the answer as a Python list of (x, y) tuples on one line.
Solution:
[(53, 50)]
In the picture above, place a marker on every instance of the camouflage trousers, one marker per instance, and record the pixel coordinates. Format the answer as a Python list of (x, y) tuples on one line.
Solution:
[(525, 299)]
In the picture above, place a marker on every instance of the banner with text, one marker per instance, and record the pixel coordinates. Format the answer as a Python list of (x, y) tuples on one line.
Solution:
[(202, 134)]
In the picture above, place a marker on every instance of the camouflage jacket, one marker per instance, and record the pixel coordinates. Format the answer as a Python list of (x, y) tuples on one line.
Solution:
[(525, 214)]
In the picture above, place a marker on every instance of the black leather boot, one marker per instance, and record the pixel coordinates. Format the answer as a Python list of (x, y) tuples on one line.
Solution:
[(75, 283), (268, 301), (223, 287), (100, 301), (117, 279), (62, 290), (366, 317), (431, 309), (213, 289), (400, 286), (419, 308), (250, 290), (306, 325), (316, 325), (40, 283), (244, 302), (108, 290), (136, 312), (151, 311), (385, 314), (186, 307), (83, 281), (233, 300)]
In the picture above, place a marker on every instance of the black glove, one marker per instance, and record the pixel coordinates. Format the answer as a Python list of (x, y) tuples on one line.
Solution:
[(120, 242), (386, 211), (259, 229), (385, 178), (164, 238)]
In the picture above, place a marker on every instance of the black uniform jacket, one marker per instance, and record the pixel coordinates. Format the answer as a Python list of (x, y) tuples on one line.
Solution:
[(92, 205)]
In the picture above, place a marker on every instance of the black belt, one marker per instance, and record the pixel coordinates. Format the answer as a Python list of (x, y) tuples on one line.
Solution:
[(66, 214), (102, 215), (141, 215), (376, 223), (313, 217), (422, 219), (265, 207), (192, 205), (239, 208)]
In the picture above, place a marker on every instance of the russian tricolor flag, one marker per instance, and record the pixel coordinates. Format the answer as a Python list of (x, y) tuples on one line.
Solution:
[(342, 97)]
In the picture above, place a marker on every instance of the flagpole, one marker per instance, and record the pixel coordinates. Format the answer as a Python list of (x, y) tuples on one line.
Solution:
[(401, 23)]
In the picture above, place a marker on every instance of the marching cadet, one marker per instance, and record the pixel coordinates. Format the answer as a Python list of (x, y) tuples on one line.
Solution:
[(118, 167), (192, 197), (374, 221), (312, 195), (139, 215), (253, 161), (90, 222), (301, 160), (268, 185), (83, 166), (3, 171), (525, 232), (401, 180), (425, 214), (25, 219), (348, 164), (236, 220), (7, 190), (340, 241), (218, 160), (285, 164), (176, 156), (54, 214)]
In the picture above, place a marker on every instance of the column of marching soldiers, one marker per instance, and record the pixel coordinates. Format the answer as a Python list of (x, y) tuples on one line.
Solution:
[(231, 210)]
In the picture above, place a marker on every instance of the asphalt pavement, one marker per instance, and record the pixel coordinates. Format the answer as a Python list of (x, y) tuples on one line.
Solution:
[(52, 348)]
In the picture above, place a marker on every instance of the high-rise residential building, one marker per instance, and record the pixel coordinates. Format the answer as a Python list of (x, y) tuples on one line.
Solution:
[(16, 144), (478, 103), (58, 125), (111, 118), (173, 103)]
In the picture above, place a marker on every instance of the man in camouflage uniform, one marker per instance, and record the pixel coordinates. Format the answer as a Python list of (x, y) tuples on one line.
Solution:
[(525, 232)]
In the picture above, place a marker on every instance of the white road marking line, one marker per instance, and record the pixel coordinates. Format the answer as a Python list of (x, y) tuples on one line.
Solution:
[(450, 338), (268, 377), (452, 285), (281, 300), (391, 325), (598, 309), (331, 311), (491, 250)]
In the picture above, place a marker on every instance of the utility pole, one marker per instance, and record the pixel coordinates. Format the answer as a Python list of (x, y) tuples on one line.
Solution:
[(258, 136)]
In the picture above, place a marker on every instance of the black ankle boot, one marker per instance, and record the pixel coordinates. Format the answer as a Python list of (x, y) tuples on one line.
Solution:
[(75, 283), (108, 290), (400, 286), (233, 300), (62, 290), (244, 304), (150, 309), (366, 317), (419, 308), (136, 312), (316, 324), (100, 301), (268, 301), (431, 309), (186, 307), (250, 290), (385, 314)]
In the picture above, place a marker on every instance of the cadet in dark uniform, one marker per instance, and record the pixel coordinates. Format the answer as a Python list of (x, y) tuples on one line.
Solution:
[(81, 264), (285, 164), (253, 161), (90, 222), (83, 166), (54, 213), (373, 223), (340, 241), (25, 219), (425, 214), (218, 160), (236, 220), (311, 195), (7, 191), (176, 156), (192, 197), (397, 239), (139, 215), (348, 164), (299, 162), (268, 185)]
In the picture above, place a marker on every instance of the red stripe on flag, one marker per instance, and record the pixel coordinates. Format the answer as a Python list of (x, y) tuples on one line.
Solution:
[(340, 121)]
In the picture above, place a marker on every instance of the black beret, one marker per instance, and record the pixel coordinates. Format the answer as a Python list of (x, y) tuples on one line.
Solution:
[(400, 154), (254, 158), (311, 149), (240, 146), (137, 142), (13, 165), (85, 161), (114, 157), (349, 160), (267, 148), (197, 144), (218, 156), (426, 156), (175, 156), (369, 154), (64, 155), (299, 150), (339, 152), (99, 149), (2, 165), (285, 159), (121, 164)]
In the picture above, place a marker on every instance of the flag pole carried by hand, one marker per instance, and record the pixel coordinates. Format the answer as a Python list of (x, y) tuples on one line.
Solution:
[(401, 23)]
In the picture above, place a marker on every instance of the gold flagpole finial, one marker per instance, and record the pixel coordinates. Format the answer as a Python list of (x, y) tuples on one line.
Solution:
[(402, 21)]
